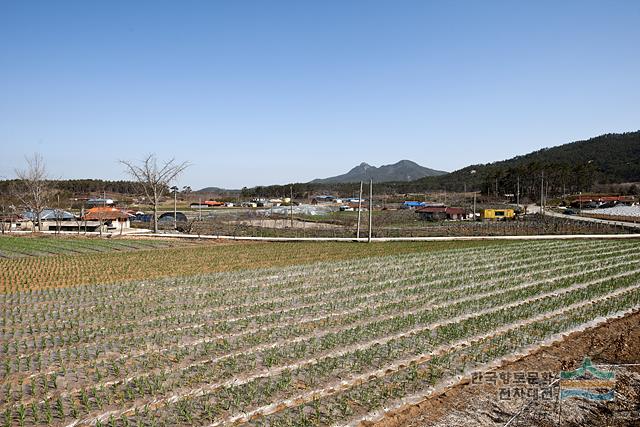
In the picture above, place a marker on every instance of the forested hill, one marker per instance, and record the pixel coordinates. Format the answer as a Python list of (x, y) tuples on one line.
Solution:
[(610, 158), (83, 186)]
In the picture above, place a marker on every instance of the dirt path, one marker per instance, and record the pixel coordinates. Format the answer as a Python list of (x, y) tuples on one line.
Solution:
[(479, 403)]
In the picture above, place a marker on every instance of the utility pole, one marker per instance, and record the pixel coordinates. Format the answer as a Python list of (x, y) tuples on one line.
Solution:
[(542, 194), (474, 205), (291, 204), (370, 209), (518, 193), (359, 211), (580, 200), (546, 191), (175, 207), (199, 209)]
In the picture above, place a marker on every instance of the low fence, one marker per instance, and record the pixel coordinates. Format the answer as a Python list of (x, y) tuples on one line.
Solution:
[(385, 227), (620, 218)]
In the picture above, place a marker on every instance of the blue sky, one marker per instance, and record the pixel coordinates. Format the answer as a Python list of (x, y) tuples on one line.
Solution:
[(265, 92)]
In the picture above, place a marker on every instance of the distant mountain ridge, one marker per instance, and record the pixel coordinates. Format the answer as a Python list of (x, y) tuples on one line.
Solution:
[(218, 190), (402, 171)]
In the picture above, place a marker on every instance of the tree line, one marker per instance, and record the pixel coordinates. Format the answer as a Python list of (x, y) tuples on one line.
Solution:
[(83, 186)]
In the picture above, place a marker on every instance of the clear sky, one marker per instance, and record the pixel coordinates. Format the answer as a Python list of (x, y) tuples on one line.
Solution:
[(266, 92)]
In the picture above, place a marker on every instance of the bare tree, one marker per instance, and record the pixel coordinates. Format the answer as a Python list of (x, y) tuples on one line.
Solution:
[(154, 179), (33, 189)]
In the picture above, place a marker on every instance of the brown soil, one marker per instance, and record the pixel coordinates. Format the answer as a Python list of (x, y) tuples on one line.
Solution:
[(467, 404)]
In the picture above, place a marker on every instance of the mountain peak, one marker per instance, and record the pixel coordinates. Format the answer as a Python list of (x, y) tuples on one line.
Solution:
[(404, 170)]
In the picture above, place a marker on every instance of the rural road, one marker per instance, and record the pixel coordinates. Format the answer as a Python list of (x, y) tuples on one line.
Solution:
[(548, 212)]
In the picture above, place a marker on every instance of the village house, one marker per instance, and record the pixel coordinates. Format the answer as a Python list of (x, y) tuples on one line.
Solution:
[(50, 219), (113, 218), (441, 213)]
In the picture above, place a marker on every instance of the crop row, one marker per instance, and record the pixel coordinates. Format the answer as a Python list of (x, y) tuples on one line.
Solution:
[(274, 276), (23, 275), (402, 293), (14, 247)]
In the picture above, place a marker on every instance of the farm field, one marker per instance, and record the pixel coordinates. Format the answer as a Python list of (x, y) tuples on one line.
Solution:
[(24, 246), (331, 342), (182, 259)]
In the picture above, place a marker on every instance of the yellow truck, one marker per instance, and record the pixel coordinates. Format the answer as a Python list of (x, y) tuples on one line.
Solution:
[(497, 214)]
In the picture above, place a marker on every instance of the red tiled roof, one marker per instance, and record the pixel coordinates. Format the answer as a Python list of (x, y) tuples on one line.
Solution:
[(432, 209), (104, 214), (456, 211), (601, 198)]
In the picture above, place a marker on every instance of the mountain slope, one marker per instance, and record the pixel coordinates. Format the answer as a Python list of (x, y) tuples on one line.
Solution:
[(404, 170), (576, 166)]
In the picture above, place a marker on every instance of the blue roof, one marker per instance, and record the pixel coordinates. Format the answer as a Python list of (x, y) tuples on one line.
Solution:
[(49, 215), (414, 204)]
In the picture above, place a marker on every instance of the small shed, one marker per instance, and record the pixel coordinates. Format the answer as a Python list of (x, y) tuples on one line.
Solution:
[(350, 207), (9, 222), (440, 213), (497, 214), (168, 216), (100, 201), (323, 199)]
